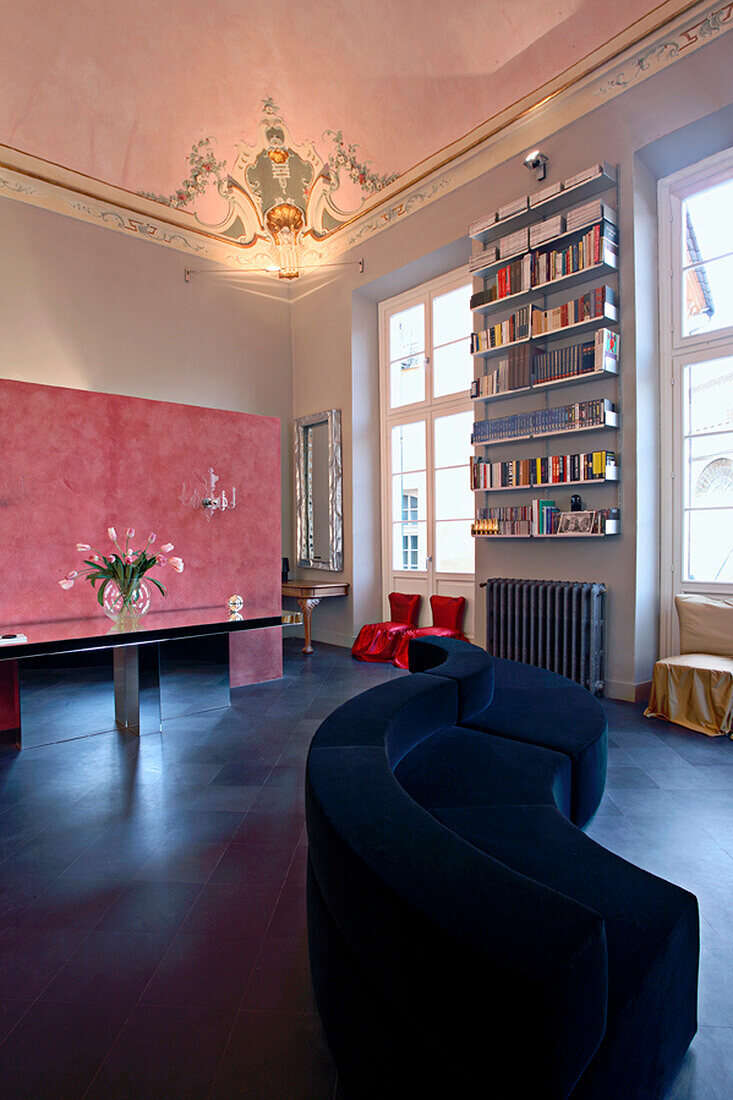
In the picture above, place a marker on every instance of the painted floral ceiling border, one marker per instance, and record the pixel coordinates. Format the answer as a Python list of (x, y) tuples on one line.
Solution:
[(248, 240), (278, 192)]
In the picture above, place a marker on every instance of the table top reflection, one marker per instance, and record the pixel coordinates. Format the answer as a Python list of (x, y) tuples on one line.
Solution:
[(99, 632)]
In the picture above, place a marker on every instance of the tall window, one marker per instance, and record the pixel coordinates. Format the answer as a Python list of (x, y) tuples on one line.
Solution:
[(696, 309), (426, 373)]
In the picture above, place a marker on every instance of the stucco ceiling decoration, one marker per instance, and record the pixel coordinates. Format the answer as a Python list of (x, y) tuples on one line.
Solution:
[(280, 195), (558, 60)]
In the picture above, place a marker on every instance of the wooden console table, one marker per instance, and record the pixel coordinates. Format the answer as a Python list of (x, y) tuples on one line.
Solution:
[(309, 596)]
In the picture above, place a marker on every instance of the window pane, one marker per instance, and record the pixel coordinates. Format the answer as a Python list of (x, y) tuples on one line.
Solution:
[(454, 549), (710, 213), (708, 471), (709, 546), (453, 439), (708, 389), (409, 497), (407, 332), (409, 546), (708, 296), (452, 315), (407, 381), (452, 368), (408, 447), (454, 498)]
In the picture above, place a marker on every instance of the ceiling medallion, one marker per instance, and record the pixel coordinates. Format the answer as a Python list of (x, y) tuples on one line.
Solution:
[(281, 196)]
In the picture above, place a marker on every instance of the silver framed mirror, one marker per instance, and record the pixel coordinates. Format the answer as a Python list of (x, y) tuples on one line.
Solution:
[(318, 491)]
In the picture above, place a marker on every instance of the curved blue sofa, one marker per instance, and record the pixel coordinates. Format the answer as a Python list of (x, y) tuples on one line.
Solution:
[(461, 925)]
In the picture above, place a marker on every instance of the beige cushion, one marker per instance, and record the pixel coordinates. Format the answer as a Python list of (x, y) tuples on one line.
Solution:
[(706, 625)]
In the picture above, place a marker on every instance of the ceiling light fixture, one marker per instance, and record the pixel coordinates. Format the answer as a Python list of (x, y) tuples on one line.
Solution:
[(536, 162)]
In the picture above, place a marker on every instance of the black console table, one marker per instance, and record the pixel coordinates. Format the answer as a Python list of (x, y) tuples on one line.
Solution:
[(77, 635)]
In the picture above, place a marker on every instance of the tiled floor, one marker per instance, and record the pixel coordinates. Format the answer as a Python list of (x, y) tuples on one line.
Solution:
[(152, 919)]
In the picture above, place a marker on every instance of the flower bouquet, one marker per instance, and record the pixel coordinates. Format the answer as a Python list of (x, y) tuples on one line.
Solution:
[(122, 593)]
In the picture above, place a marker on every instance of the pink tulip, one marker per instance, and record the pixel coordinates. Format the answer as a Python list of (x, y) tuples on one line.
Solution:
[(95, 558), (66, 583), (176, 563), (83, 546), (160, 559), (151, 537), (130, 533), (112, 534), (129, 559), (72, 575), (167, 547)]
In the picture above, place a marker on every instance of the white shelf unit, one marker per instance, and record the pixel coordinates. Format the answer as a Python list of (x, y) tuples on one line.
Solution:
[(489, 230)]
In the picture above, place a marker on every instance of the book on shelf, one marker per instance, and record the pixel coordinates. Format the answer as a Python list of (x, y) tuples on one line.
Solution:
[(514, 243), (483, 258), (515, 520), (595, 211), (542, 518), (546, 193), (516, 206), (546, 230), (525, 473), (482, 224), (537, 422), (516, 327), (587, 357), (599, 302), (512, 372), (543, 266), (589, 174)]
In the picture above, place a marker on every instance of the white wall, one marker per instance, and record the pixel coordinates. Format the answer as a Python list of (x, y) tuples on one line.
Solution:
[(90, 309)]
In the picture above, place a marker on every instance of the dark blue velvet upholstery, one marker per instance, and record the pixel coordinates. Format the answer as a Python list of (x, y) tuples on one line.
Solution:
[(460, 925)]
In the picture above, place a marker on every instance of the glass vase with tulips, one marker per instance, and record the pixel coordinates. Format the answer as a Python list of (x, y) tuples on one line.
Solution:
[(122, 592)]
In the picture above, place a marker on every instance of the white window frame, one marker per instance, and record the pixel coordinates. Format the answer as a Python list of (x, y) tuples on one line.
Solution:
[(677, 350), (426, 409)]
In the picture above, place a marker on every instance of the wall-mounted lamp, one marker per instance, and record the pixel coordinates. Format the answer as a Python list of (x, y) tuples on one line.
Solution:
[(537, 162), (203, 495)]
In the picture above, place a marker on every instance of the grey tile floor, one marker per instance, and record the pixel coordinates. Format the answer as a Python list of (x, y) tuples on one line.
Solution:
[(152, 917)]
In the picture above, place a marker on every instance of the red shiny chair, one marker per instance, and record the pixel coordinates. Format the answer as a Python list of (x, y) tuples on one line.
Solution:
[(378, 641), (448, 612)]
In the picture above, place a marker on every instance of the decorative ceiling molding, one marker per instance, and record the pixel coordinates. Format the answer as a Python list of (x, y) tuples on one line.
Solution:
[(310, 227)]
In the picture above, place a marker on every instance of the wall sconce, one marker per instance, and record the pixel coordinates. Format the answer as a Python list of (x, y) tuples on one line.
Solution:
[(536, 162), (203, 495)]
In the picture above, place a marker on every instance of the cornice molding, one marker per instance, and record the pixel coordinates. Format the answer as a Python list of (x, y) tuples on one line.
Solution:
[(664, 36)]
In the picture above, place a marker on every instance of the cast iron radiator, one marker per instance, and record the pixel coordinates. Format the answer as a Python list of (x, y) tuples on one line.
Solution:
[(558, 625)]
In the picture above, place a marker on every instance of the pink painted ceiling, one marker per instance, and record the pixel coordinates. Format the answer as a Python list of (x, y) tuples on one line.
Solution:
[(121, 91)]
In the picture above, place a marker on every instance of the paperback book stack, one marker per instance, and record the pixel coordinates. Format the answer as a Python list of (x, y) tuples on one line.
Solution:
[(595, 211), (538, 422), (514, 243), (545, 231), (482, 259)]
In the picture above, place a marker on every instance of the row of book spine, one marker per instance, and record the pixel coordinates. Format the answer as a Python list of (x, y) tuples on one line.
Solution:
[(600, 302), (540, 267), (516, 327), (569, 469), (521, 368), (541, 517), (580, 414), (600, 353)]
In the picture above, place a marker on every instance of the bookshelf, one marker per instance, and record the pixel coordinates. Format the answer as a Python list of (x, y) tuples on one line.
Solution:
[(545, 307)]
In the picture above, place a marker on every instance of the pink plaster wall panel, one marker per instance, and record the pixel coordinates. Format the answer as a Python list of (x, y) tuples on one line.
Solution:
[(254, 656), (121, 91), (86, 461)]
